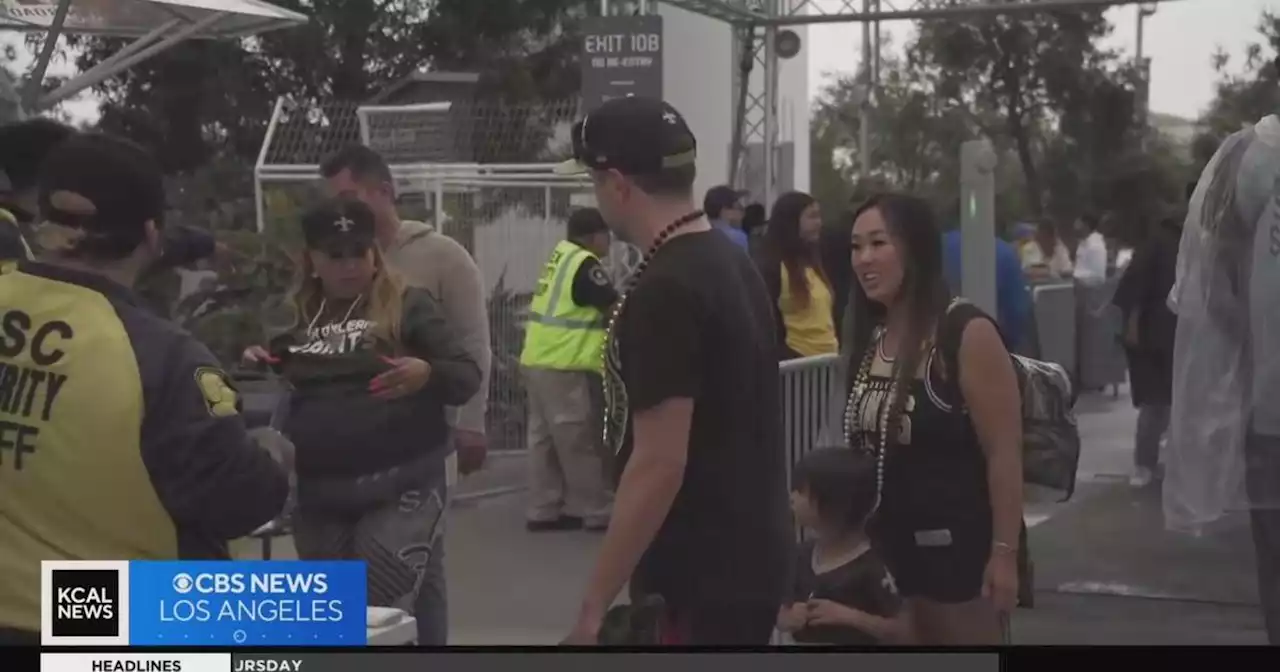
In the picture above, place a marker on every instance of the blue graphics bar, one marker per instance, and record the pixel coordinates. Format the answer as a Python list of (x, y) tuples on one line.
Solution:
[(173, 604)]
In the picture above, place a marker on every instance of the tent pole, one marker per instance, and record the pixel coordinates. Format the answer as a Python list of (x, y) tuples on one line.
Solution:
[(31, 91), (89, 79)]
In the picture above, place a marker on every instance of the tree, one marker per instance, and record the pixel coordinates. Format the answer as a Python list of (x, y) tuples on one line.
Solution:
[(1014, 72), (1242, 97), (201, 98), (916, 136), (1097, 131)]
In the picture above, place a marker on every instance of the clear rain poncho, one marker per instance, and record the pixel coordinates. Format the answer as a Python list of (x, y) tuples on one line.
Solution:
[(1226, 381)]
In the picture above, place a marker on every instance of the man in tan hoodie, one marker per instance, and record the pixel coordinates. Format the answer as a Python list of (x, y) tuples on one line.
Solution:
[(429, 259)]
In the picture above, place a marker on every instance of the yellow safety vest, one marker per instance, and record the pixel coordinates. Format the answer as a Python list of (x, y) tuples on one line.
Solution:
[(7, 219), (562, 335)]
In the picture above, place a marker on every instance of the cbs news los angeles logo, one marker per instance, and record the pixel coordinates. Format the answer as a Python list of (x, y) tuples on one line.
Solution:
[(84, 603)]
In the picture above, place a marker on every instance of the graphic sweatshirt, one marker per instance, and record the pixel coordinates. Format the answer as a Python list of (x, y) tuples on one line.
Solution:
[(339, 428)]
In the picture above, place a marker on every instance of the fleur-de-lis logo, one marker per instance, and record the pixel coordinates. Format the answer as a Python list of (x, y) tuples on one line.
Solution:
[(344, 224), (889, 584)]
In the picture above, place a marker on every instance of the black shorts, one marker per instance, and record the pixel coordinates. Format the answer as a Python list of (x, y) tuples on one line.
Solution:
[(938, 563)]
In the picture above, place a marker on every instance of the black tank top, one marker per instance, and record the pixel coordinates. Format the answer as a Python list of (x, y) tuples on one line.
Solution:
[(934, 474)]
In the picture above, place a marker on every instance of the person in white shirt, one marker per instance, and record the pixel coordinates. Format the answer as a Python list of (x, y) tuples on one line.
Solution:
[(1091, 252), (1045, 257)]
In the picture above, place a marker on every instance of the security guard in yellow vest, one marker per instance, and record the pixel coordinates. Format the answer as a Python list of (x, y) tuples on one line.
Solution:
[(23, 147), (562, 359), (120, 436)]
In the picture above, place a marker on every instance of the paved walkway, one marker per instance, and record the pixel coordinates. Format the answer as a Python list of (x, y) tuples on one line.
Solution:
[(1106, 572)]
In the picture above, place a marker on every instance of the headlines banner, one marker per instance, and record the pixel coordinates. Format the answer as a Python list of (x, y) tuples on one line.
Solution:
[(548, 659), (217, 603)]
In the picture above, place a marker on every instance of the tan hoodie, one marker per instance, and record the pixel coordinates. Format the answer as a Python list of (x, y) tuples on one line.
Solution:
[(439, 264)]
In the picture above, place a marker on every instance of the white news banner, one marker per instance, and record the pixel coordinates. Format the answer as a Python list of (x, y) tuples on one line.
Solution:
[(135, 662)]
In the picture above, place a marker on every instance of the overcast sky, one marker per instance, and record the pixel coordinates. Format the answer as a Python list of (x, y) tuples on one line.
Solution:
[(1180, 40)]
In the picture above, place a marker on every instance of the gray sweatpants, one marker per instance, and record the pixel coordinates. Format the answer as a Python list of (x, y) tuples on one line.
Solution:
[(566, 453), (403, 546)]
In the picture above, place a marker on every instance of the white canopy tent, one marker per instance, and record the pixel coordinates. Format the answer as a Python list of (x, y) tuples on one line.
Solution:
[(157, 25)]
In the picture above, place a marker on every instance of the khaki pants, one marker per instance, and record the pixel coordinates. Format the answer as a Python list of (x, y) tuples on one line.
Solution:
[(566, 470)]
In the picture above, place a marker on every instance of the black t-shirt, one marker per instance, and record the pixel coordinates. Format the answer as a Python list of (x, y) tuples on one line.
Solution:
[(592, 287), (862, 583), (699, 325), (935, 473)]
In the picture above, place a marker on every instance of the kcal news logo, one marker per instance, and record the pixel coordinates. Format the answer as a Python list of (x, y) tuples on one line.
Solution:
[(204, 603), (84, 603)]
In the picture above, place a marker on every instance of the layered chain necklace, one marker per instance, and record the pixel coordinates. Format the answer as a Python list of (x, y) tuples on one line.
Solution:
[(853, 432), (335, 339), (615, 395)]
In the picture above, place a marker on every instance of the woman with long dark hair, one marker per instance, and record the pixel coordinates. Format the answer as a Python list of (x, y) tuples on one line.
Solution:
[(934, 397), (793, 273)]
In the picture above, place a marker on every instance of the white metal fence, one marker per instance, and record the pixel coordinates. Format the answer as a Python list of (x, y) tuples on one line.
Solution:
[(811, 391), (466, 168)]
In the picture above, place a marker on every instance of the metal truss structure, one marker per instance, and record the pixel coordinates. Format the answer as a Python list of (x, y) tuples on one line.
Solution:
[(757, 23)]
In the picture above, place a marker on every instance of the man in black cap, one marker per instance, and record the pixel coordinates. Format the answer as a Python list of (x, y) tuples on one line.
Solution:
[(700, 517), (725, 209), (120, 435), (562, 359), (23, 147)]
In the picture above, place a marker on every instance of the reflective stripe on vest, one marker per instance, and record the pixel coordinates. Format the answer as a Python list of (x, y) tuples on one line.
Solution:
[(560, 334)]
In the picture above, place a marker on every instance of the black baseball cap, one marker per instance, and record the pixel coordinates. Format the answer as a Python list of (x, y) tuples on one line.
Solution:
[(586, 222), (722, 198), (632, 135), (338, 225), (105, 187)]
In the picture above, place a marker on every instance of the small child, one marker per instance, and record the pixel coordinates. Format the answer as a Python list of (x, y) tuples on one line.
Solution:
[(841, 591)]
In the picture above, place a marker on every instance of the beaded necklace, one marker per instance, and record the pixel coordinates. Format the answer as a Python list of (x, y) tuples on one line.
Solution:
[(612, 403), (851, 431)]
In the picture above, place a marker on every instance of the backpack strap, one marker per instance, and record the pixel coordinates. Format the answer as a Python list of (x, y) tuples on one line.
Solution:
[(949, 336)]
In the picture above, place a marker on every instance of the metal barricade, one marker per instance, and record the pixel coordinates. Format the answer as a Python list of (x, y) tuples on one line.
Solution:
[(1054, 310), (1101, 358), (811, 391)]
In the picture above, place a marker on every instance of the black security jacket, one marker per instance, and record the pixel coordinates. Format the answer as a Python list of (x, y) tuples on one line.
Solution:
[(340, 429)]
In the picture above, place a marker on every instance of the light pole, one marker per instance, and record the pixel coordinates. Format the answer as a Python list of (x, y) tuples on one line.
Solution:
[(1145, 10)]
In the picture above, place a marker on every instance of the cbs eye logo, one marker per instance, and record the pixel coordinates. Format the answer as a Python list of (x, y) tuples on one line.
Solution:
[(183, 583)]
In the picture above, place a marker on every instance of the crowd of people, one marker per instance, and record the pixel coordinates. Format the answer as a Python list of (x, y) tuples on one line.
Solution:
[(655, 407), (386, 358)]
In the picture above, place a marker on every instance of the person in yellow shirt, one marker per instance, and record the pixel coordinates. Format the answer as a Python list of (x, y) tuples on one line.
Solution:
[(793, 272)]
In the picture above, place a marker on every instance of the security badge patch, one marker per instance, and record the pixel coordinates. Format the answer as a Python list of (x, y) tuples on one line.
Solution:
[(219, 396), (598, 276)]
